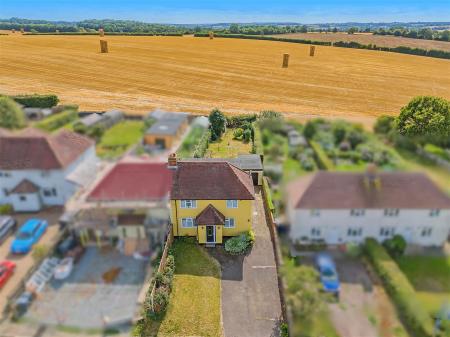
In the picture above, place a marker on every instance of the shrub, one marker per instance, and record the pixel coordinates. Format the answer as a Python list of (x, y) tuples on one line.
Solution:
[(202, 145), (218, 122), (57, 121), (237, 134), (160, 300), (11, 115), (395, 246), (6, 209), (355, 138), (36, 101), (239, 245), (257, 141), (437, 151), (384, 125), (284, 330), (40, 251), (241, 121), (400, 289), (247, 135)]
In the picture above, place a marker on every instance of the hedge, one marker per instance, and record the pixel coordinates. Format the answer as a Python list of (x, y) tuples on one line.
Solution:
[(257, 147), (6, 209), (238, 121), (323, 161), (342, 44), (58, 120), (267, 38), (36, 101), (202, 145), (107, 33), (268, 194), (400, 289)]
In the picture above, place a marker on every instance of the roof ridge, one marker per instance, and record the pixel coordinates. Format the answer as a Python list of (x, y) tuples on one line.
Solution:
[(233, 167)]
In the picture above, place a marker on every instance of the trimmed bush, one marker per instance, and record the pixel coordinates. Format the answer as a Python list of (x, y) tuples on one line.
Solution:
[(257, 147), (57, 121), (239, 245), (36, 101), (6, 209), (202, 145), (323, 161), (239, 121), (11, 115), (400, 290)]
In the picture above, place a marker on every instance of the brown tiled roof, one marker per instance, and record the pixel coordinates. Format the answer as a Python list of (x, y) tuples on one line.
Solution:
[(211, 181), (342, 190), (33, 149), (24, 187), (210, 216)]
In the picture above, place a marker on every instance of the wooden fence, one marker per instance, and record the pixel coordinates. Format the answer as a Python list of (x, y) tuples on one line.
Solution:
[(287, 317), (163, 261)]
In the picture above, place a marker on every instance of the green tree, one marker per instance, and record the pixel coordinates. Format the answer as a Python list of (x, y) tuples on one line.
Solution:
[(247, 135), (384, 124), (11, 115), (352, 30), (425, 116), (303, 29), (218, 122), (395, 246), (310, 130), (339, 131), (234, 28)]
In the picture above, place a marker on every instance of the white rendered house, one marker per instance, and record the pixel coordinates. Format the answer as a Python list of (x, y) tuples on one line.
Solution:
[(39, 169), (341, 207)]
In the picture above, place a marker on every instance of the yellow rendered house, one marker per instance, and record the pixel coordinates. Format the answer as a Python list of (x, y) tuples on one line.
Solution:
[(210, 199)]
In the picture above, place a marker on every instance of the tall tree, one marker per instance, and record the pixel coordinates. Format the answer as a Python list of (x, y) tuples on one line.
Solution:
[(425, 116), (218, 122)]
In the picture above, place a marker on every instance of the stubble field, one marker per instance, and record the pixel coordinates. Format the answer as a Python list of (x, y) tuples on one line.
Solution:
[(238, 76)]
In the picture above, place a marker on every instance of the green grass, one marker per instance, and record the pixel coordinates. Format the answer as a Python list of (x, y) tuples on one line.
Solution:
[(188, 146), (430, 278), (194, 306), (119, 139), (227, 147)]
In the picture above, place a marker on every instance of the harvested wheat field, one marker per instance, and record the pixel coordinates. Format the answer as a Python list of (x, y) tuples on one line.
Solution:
[(238, 76), (368, 38)]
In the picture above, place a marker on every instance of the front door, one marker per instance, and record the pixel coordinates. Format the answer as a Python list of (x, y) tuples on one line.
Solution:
[(210, 234)]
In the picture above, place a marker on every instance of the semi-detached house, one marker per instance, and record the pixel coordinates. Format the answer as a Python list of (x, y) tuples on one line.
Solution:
[(342, 207), (39, 169)]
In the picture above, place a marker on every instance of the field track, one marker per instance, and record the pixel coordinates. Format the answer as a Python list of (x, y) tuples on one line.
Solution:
[(238, 76)]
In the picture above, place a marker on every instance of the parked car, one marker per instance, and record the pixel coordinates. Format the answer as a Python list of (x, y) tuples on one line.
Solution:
[(7, 226), (6, 271), (28, 235), (328, 274), (22, 303), (66, 245), (64, 269)]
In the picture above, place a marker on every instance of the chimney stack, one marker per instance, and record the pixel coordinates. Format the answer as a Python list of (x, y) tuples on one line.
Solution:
[(372, 178), (172, 162)]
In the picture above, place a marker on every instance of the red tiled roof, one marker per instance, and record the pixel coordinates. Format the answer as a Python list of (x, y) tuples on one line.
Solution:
[(33, 149), (343, 190), (134, 182), (24, 187), (210, 216), (211, 181)]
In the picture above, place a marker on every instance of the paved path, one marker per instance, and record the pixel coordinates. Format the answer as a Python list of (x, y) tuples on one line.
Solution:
[(250, 296)]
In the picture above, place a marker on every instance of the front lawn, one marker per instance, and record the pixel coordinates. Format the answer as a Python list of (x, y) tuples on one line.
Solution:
[(194, 305), (227, 147), (118, 139), (430, 278)]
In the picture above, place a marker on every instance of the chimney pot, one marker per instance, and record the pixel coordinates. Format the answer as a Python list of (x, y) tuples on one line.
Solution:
[(172, 162)]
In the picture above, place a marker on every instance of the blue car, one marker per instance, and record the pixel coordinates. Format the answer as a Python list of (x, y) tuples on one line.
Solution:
[(328, 274), (28, 235)]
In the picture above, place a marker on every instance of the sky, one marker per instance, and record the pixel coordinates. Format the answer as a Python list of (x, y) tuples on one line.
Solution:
[(214, 11)]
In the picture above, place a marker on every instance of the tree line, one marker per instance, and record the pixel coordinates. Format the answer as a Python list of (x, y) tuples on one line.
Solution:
[(423, 33)]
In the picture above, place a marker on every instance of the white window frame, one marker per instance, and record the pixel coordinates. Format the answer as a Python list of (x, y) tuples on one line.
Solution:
[(188, 203), (315, 212), (434, 212), (387, 232), (229, 223), (185, 221), (426, 232), (391, 212), (354, 232), (316, 232), (357, 212), (232, 203)]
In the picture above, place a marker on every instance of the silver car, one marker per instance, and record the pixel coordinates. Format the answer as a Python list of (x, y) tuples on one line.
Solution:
[(7, 226)]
